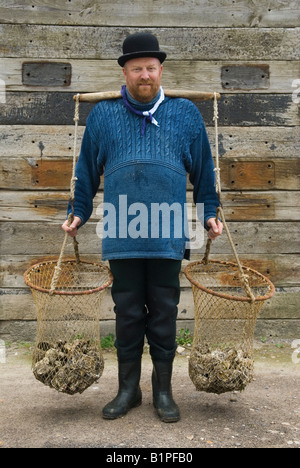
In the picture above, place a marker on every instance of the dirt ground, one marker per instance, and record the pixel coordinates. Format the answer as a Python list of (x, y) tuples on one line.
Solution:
[(265, 415)]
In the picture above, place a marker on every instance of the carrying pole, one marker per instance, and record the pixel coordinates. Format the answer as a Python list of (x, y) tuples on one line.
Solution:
[(174, 93)]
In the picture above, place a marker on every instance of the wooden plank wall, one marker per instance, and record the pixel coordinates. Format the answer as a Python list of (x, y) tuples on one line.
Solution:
[(247, 50)]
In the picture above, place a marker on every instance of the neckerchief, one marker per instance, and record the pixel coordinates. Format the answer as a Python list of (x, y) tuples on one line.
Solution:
[(147, 115)]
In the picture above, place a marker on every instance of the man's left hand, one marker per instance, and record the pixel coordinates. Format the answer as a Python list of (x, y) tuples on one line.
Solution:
[(215, 230)]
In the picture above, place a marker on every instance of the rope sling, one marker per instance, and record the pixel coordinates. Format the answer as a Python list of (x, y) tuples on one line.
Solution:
[(221, 358), (68, 293)]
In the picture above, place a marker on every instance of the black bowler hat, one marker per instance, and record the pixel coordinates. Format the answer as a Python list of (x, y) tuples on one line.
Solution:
[(141, 45)]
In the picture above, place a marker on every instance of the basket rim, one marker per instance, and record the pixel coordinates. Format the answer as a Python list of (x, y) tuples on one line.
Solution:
[(227, 296), (68, 293)]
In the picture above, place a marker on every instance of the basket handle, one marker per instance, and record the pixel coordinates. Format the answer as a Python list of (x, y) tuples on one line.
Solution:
[(57, 270), (220, 213)]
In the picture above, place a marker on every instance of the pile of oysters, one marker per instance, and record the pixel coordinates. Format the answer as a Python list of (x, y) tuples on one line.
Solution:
[(220, 370), (68, 367)]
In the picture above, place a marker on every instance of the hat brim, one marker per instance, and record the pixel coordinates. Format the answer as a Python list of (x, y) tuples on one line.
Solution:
[(161, 56)]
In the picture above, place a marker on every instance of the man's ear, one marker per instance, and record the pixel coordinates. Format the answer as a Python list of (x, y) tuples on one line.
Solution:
[(160, 71)]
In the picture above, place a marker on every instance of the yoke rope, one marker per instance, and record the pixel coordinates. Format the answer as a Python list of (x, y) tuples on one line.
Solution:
[(57, 270), (220, 212)]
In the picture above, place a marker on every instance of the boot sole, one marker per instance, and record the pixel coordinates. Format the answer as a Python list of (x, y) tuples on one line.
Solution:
[(168, 420), (165, 419)]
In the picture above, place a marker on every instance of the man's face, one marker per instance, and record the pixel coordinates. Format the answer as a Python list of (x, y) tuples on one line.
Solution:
[(143, 78)]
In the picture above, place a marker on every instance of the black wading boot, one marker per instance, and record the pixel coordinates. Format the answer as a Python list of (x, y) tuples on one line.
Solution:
[(163, 401), (129, 395)]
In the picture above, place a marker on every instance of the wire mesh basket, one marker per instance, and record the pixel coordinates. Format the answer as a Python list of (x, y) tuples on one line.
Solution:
[(225, 316), (67, 354)]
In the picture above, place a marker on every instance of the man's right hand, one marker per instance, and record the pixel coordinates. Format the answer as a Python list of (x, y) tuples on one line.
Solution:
[(73, 228)]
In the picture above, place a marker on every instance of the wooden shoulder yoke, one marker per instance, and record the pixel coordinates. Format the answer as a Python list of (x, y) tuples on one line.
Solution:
[(187, 94)]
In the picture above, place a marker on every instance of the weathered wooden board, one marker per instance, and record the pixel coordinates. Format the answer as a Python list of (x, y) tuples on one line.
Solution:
[(54, 174), (261, 206), (257, 142), (251, 174), (46, 74), (287, 329), (35, 206), (147, 13), (17, 304), (238, 206), (245, 77), (105, 43), (283, 270), (40, 173), (249, 237), (39, 141), (42, 108), (275, 329), (260, 175), (106, 75), (260, 110)]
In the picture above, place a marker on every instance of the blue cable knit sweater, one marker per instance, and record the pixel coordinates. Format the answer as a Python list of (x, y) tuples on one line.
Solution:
[(142, 172)]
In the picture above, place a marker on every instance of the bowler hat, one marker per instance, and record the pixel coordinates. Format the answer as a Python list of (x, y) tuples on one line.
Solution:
[(141, 45)]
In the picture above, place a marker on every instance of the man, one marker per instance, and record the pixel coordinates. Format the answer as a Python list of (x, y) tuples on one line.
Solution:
[(144, 144)]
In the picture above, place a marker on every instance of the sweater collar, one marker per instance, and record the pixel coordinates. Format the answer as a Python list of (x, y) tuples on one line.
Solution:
[(143, 110)]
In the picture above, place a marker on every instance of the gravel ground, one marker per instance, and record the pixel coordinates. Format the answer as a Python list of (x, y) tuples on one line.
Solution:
[(265, 415)]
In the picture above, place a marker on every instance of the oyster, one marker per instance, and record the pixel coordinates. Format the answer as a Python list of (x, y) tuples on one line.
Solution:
[(68, 367), (220, 370)]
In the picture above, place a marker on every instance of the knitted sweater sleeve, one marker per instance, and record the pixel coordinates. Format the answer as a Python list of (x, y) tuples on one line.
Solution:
[(202, 175), (88, 175)]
